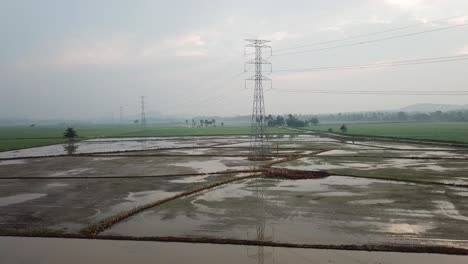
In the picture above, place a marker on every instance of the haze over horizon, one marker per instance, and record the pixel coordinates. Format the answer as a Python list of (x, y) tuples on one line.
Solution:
[(86, 59)]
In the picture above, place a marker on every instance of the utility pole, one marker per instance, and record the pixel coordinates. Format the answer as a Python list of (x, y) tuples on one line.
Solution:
[(259, 146), (143, 116)]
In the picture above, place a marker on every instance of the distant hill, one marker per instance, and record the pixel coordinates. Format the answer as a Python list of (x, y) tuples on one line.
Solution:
[(433, 107)]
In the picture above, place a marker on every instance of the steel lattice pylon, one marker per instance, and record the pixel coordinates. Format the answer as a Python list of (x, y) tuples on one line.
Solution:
[(259, 146)]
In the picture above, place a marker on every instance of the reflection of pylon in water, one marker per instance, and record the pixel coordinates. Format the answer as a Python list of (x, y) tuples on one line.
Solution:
[(260, 227), (144, 144)]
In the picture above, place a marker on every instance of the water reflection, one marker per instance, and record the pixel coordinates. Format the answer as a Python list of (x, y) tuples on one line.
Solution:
[(264, 232), (70, 148), (144, 144)]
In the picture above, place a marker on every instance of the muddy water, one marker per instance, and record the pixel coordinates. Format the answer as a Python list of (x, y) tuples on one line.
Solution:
[(216, 165), (333, 210), (15, 250), (20, 198), (372, 164), (118, 144)]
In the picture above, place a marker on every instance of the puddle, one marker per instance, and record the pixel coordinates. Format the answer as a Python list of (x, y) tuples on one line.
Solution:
[(191, 179), (20, 198), (12, 162), (59, 251), (233, 190), (372, 202), (337, 152), (448, 209), (406, 229), (396, 164), (320, 185), (108, 145), (308, 164), (190, 151), (56, 184), (105, 158), (215, 165), (135, 199), (331, 194), (410, 213), (72, 172)]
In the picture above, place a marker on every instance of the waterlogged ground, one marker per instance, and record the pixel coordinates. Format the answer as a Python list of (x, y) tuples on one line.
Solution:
[(59, 251), (452, 171), (396, 204), (123, 144), (109, 166), (333, 210), (72, 204)]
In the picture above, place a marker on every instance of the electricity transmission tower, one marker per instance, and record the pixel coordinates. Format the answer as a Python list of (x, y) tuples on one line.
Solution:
[(143, 116), (259, 146)]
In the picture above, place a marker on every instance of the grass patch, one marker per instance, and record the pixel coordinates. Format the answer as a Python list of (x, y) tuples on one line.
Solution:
[(436, 131)]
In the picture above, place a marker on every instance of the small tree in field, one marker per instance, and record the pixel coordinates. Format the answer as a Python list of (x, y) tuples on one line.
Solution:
[(70, 134), (343, 129)]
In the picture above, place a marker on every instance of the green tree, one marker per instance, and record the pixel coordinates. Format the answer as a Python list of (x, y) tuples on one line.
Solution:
[(70, 134), (343, 129), (314, 121)]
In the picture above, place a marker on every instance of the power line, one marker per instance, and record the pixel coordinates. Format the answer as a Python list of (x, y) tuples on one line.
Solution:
[(190, 103), (372, 41), (382, 64), (370, 92), (369, 34)]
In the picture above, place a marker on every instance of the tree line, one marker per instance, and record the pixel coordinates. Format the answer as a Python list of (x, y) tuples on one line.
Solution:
[(290, 121), (204, 123), (437, 116)]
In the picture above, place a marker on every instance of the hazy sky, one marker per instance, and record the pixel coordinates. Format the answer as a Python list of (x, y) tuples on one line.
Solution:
[(85, 59)]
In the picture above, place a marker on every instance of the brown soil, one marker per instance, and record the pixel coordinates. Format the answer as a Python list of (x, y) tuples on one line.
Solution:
[(294, 174)]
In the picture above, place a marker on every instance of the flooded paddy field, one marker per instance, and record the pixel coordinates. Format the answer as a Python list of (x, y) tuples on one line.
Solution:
[(205, 189), (72, 204), (58, 251), (333, 210), (120, 166), (449, 171)]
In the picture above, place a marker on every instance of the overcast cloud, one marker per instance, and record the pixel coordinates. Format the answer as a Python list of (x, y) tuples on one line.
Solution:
[(85, 59)]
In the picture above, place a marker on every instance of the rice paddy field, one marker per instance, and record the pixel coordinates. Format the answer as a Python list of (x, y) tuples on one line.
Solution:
[(21, 137), (436, 131), (374, 201)]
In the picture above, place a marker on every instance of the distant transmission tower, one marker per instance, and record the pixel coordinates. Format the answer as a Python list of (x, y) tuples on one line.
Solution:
[(143, 116), (259, 146)]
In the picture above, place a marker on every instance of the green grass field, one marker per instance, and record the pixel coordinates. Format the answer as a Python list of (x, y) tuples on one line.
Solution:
[(22, 137), (437, 131)]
